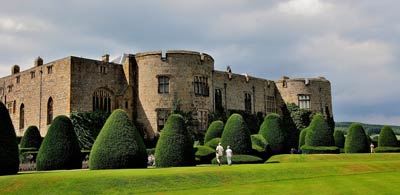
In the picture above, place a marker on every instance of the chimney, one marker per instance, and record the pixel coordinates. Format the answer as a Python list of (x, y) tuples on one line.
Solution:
[(105, 58), (38, 61)]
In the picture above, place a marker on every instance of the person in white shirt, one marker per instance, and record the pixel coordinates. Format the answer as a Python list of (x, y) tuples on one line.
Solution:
[(219, 152), (229, 155), (372, 148)]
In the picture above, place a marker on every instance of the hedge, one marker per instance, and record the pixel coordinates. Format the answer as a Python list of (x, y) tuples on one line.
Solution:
[(319, 133), (236, 135), (240, 159), (213, 143), (356, 140), (118, 145), (9, 157), (204, 154), (31, 139), (302, 137), (339, 138), (175, 146), (258, 140), (271, 129), (214, 130), (387, 138), (382, 149), (60, 148), (320, 149)]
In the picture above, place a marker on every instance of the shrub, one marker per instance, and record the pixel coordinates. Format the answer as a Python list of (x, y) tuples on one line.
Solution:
[(214, 130), (383, 149), (60, 148), (9, 160), (320, 149), (150, 151), (118, 145), (302, 137), (319, 133), (31, 139), (339, 138), (204, 154), (240, 159), (356, 140), (387, 138), (175, 146), (271, 129), (258, 140), (213, 143), (236, 135)]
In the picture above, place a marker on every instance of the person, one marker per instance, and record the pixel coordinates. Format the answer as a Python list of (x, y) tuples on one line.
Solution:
[(219, 152), (372, 146), (229, 155)]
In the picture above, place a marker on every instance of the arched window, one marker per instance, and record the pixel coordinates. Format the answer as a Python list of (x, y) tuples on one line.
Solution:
[(218, 101), (247, 102), (21, 116), (102, 100), (49, 110)]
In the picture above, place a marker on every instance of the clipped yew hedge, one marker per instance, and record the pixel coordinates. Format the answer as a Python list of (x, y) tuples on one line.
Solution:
[(302, 137), (272, 130), (240, 159), (320, 149), (258, 142), (339, 138), (60, 148), (214, 130), (175, 146), (356, 140), (9, 160), (386, 149), (236, 135), (204, 154), (213, 143), (387, 138), (31, 138), (319, 133), (118, 145)]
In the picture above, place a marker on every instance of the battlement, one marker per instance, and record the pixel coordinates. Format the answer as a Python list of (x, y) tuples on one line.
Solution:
[(306, 81), (165, 55)]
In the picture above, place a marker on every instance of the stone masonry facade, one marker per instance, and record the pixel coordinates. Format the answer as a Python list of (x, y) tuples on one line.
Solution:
[(149, 86)]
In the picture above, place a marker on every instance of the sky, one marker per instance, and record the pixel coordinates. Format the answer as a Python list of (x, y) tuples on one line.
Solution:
[(353, 43)]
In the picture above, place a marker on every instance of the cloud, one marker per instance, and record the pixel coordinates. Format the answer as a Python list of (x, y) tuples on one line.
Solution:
[(304, 7)]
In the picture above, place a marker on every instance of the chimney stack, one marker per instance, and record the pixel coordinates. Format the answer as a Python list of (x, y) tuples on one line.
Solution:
[(105, 58), (38, 61)]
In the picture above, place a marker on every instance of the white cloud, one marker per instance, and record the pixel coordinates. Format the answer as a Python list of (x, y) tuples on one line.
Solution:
[(12, 24), (304, 7)]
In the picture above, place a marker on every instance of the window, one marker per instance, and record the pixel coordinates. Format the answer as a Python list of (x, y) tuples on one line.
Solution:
[(50, 111), (304, 102), (247, 102), (21, 116), (32, 74), (162, 116), (163, 84), (102, 100), (103, 70), (200, 85), (10, 88), (9, 107), (14, 106), (202, 116), (218, 101), (271, 104), (49, 69), (284, 84), (18, 79)]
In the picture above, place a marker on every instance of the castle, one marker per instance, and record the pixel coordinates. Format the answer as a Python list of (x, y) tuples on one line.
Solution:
[(148, 85)]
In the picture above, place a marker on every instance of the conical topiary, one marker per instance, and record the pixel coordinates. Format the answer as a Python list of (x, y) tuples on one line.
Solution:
[(302, 137), (31, 138), (387, 138), (118, 145), (214, 131), (9, 161), (175, 145), (271, 129), (60, 147), (236, 135), (319, 133), (339, 138), (356, 140)]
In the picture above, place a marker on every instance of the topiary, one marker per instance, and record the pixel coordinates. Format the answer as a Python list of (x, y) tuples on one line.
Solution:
[(9, 160), (214, 130), (236, 135), (318, 133), (240, 159), (118, 145), (387, 138), (356, 140), (60, 148), (259, 141), (339, 138), (31, 139), (271, 129), (319, 149), (302, 137), (175, 146), (213, 143), (204, 154), (387, 149)]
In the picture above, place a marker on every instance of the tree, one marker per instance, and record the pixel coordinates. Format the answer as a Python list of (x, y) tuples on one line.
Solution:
[(175, 145), (302, 137), (9, 161), (319, 133), (356, 140), (118, 145), (236, 135), (339, 138), (214, 130), (387, 138), (271, 129), (31, 138), (60, 148)]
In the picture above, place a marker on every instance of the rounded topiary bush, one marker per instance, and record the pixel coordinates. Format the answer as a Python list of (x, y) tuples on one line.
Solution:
[(240, 159), (214, 131), (175, 145), (258, 141), (356, 140), (31, 139), (387, 138), (319, 149), (302, 137), (118, 145), (271, 129), (339, 138), (204, 154), (9, 160), (60, 147), (387, 149), (213, 143), (319, 133), (236, 135)]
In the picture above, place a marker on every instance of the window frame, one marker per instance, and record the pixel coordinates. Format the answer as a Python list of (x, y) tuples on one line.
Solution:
[(304, 101), (163, 84)]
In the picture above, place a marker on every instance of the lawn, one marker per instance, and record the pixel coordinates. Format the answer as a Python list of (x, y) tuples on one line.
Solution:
[(285, 174)]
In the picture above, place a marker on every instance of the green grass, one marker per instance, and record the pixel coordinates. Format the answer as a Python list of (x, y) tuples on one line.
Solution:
[(294, 174)]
